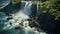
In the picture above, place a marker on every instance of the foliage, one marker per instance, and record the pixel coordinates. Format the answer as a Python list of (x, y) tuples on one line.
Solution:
[(16, 1), (51, 6)]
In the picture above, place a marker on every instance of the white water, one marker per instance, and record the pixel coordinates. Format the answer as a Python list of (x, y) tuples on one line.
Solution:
[(20, 16)]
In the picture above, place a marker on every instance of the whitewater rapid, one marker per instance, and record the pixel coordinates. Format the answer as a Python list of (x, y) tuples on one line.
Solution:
[(21, 17)]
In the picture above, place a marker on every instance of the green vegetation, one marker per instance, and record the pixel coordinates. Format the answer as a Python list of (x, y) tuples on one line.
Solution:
[(16, 1), (51, 6)]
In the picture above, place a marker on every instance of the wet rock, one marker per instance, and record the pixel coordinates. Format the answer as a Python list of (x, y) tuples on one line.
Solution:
[(10, 23), (17, 28), (9, 17)]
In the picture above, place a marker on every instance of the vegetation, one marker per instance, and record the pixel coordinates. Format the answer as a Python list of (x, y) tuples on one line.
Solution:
[(51, 6), (16, 1)]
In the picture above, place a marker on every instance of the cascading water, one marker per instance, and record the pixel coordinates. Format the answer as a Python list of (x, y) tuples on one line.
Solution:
[(21, 14), (19, 19)]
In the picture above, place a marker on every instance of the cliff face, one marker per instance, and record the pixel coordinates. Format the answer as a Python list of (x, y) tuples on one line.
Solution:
[(49, 15), (34, 9)]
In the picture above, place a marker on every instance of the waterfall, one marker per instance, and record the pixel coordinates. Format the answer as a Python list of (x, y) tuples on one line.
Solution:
[(19, 19), (22, 14)]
